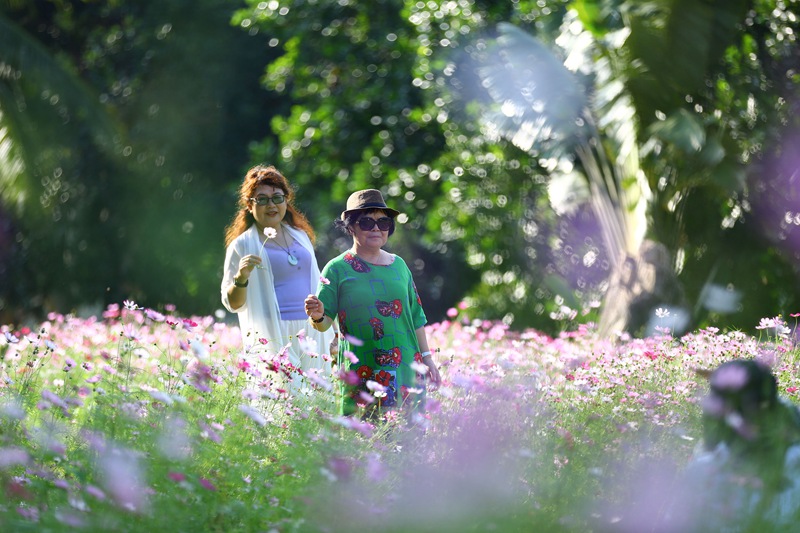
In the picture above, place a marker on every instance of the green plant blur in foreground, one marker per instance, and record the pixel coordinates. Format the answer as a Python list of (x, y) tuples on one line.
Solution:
[(147, 421)]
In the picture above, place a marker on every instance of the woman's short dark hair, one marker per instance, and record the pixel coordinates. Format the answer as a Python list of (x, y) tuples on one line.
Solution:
[(352, 217)]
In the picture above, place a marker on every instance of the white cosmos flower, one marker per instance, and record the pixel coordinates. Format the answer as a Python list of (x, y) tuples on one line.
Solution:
[(271, 233)]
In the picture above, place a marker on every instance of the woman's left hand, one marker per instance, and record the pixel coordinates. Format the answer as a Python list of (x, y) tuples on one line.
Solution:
[(433, 371)]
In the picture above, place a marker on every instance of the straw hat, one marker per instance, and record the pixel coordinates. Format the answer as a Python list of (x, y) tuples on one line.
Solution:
[(367, 199)]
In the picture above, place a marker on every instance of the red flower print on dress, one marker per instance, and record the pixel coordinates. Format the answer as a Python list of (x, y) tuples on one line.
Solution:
[(364, 372), (377, 328), (392, 309), (342, 325), (358, 264), (416, 293), (384, 378), (391, 358)]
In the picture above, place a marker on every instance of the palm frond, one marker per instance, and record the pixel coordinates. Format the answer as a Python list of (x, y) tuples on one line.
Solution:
[(32, 70), (543, 108), (12, 168), (540, 101)]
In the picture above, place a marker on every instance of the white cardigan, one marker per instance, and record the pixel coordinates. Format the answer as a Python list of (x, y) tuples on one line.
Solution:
[(259, 317)]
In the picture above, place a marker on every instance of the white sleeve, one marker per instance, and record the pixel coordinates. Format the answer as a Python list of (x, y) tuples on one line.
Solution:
[(231, 267)]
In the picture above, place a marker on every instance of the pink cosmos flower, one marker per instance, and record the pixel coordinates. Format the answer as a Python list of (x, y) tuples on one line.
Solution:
[(375, 469), (253, 415), (69, 364), (730, 378), (207, 484), (52, 398), (69, 519), (129, 331), (349, 377), (95, 492), (341, 467), (365, 428), (318, 380), (366, 398), (123, 478), (153, 315), (29, 513), (176, 477), (324, 280), (12, 456), (353, 340)]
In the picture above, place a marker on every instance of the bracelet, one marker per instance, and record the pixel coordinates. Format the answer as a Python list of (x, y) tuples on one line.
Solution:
[(317, 321), (425, 354), (241, 285)]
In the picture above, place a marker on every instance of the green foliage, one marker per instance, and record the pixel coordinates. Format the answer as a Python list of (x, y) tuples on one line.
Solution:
[(140, 210), (121, 175)]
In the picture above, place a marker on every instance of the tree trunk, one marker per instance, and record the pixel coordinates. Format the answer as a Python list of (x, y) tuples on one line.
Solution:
[(639, 286)]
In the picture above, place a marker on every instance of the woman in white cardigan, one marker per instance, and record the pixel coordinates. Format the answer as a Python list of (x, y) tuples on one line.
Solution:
[(270, 268)]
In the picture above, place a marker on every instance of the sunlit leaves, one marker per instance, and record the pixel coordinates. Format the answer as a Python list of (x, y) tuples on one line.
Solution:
[(683, 129)]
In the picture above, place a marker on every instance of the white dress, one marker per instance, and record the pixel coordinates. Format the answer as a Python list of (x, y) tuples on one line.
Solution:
[(264, 334)]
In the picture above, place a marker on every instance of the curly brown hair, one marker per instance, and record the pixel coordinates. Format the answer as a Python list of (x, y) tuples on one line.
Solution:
[(255, 177)]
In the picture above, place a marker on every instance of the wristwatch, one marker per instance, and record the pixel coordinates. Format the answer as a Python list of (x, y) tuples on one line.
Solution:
[(318, 320), (241, 285)]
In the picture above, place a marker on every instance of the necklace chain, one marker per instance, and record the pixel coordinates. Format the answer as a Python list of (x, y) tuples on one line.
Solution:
[(290, 257)]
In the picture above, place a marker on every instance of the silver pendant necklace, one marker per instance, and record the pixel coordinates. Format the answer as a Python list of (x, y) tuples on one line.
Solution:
[(290, 257)]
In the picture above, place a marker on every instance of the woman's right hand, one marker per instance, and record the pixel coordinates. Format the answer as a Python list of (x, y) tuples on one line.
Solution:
[(314, 307), (246, 266)]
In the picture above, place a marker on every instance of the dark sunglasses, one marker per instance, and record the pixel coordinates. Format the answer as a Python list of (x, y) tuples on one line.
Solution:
[(366, 223), (264, 200)]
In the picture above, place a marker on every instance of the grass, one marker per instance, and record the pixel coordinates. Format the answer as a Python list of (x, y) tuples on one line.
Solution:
[(142, 421)]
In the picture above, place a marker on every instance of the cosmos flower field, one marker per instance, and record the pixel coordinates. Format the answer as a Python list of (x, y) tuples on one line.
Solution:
[(145, 420)]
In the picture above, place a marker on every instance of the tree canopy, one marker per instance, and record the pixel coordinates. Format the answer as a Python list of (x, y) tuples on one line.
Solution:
[(126, 129)]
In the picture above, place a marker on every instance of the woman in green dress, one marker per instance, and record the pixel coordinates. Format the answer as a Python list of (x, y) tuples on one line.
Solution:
[(383, 349)]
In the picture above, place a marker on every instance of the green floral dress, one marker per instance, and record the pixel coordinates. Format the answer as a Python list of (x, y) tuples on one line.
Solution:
[(378, 309)]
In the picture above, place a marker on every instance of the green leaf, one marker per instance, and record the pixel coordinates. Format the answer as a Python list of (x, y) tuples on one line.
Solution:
[(590, 15), (713, 152), (683, 129), (730, 176)]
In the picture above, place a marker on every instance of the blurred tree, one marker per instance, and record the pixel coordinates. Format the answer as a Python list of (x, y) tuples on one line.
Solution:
[(126, 128), (47, 116), (385, 102), (647, 132)]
